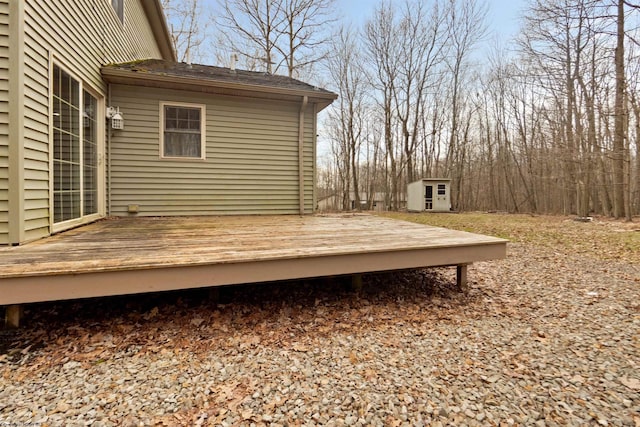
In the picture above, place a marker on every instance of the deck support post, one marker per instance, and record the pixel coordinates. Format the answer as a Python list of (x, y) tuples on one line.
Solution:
[(461, 277), (214, 295), (356, 283), (12, 316)]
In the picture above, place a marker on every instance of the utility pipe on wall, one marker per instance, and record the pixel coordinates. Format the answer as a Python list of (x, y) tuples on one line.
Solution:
[(303, 107), (108, 178)]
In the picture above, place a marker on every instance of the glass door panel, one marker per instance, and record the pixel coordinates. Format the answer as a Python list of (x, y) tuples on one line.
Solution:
[(66, 147), (90, 154)]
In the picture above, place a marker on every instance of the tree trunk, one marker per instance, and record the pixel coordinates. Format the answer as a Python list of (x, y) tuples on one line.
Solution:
[(619, 126), (636, 112)]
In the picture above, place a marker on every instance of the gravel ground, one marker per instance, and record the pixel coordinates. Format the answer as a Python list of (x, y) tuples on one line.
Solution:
[(538, 339)]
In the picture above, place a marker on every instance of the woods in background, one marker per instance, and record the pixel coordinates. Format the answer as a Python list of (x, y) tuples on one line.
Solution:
[(549, 124), (546, 123)]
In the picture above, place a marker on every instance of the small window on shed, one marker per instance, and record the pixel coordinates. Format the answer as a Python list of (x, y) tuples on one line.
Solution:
[(118, 6), (442, 189), (183, 131)]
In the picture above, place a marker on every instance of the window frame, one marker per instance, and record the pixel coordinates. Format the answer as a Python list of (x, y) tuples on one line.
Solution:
[(118, 8), (442, 189), (203, 128)]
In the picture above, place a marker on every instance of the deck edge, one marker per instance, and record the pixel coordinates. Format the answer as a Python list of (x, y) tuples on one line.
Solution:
[(18, 290)]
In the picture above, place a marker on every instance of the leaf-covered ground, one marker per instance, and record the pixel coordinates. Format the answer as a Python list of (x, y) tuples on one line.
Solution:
[(548, 337), (601, 238)]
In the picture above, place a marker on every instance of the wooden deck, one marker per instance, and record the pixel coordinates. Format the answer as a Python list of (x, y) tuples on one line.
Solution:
[(134, 255)]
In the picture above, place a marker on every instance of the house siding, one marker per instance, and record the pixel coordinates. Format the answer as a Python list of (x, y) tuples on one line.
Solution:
[(80, 36), (87, 34), (4, 122), (251, 164)]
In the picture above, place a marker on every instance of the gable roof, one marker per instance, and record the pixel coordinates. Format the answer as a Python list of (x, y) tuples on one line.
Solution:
[(211, 79), (158, 22)]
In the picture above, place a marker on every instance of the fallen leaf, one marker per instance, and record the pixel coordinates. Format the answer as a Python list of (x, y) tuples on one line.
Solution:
[(632, 383), (253, 339), (300, 347), (197, 322), (152, 313), (576, 379)]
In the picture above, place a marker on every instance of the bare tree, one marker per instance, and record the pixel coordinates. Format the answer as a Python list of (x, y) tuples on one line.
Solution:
[(554, 41), (466, 21), (304, 33), (383, 52), (422, 40), (348, 116), (633, 88), (186, 28), (252, 28), (340, 155), (281, 34), (620, 130), (406, 51)]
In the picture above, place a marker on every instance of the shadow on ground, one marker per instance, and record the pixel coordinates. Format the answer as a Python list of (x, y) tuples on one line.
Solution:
[(44, 322)]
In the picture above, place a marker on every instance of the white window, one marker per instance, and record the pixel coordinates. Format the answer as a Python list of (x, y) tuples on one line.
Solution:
[(118, 6), (182, 134)]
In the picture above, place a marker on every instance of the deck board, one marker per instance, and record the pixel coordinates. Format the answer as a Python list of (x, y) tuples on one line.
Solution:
[(201, 251)]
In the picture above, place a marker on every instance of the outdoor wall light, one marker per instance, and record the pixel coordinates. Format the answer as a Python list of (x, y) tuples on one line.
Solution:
[(114, 114)]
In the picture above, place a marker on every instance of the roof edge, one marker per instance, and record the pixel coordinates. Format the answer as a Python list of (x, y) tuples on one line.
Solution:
[(158, 22), (111, 74), (430, 180)]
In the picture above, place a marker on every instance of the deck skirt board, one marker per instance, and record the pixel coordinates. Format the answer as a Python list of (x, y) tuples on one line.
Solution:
[(133, 255)]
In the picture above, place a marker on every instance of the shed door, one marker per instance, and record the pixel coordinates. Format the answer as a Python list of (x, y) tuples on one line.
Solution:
[(428, 197)]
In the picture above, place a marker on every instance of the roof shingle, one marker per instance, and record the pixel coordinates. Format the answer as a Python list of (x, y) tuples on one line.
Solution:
[(212, 73)]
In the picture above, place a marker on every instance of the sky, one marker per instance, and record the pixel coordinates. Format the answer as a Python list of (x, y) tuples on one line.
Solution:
[(502, 18)]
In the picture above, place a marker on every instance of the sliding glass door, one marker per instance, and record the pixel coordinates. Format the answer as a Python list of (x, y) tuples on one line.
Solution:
[(89, 155), (75, 149)]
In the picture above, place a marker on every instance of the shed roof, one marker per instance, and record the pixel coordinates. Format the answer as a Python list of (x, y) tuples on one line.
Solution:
[(433, 180), (212, 79)]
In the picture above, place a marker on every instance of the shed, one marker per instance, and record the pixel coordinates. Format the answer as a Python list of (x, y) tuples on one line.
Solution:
[(429, 195)]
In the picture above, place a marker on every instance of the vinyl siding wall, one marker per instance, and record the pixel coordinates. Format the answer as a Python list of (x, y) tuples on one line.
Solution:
[(4, 122), (85, 34), (80, 36), (251, 164)]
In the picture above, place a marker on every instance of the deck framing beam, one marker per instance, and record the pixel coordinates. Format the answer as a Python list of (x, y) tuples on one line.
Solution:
[(26, 289)]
